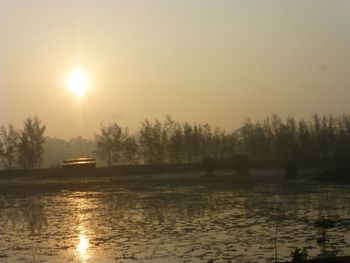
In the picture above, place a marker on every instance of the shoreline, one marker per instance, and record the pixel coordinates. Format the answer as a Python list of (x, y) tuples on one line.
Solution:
[(49, 180), (320, 174)]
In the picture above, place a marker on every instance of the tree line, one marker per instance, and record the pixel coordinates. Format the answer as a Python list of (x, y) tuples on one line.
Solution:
[(22, 148), (170, 142)]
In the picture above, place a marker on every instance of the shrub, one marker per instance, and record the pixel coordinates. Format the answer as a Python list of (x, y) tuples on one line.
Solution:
[(299, 255), (240, 163)]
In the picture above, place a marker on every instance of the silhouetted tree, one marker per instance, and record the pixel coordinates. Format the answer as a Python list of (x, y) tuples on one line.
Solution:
[(8, 146), (206, 136), (114, 146), (192, 142), (31, 142), (304, 140), (130, 151), (168, 141), (175, 141), (153, 142)]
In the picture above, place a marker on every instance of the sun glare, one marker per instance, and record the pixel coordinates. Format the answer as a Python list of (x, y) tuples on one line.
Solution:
[(78, 82), (83, 247)]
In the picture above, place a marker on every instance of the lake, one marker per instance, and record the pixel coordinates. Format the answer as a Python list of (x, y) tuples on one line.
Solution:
[(167, 218)]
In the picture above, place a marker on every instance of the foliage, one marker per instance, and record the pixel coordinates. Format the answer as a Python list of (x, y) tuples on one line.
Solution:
[(272, 139), (168, 141), (31, 140), (291, 169), (129, 151), (8, 146), (173, 142), (115, 145), (275, 139), (240, 163), (153, 140), (299, 255), (322, 137)]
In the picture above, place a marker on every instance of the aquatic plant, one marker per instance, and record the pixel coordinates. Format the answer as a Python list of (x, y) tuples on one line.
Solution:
[(299, 255), (323, 224)]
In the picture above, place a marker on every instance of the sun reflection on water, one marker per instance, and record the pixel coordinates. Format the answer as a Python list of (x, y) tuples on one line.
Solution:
[(83, 247)]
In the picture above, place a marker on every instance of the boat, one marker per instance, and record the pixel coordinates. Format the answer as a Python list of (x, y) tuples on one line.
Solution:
[(85, 163)]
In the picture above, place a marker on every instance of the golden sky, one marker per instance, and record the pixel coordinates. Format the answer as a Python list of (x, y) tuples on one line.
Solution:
[(199, 61)]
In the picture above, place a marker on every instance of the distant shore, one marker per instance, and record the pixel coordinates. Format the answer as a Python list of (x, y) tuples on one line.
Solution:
[(320, 173), (172, 174), (104, 171)]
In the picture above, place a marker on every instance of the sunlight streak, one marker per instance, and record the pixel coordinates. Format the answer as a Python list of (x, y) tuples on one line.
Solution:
[(83, 247)]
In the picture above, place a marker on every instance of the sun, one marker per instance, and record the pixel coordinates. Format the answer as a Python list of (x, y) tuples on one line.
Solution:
[(78, 82)]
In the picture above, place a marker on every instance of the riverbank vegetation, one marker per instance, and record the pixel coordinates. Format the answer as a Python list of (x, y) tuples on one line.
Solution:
[(319, 140), (22, 148)]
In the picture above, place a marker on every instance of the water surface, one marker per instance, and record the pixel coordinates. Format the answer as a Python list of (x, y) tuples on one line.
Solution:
[(163, 221)]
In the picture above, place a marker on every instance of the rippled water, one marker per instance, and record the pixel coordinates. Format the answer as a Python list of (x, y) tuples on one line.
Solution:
[(158, 221)]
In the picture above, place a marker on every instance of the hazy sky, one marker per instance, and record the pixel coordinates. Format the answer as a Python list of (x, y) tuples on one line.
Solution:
[(199, 61)]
